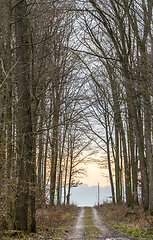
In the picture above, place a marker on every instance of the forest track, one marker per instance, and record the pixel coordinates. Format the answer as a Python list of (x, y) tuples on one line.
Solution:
[(106, 232), (78, 232)]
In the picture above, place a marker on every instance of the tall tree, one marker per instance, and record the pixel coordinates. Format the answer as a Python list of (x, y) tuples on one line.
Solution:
[(24, 114)]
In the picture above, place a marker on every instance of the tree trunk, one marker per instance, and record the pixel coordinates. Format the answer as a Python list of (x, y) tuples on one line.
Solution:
[(60, 165), (56, 106), (71, 166), (126, 167), (34, 106), (2, 110), (117, 167), (145, 79), (40, 155), (143, 166), (133, 159), (24, 115), (9, 215), (108, 159), (45, 159), (66, 169), (32, 187)]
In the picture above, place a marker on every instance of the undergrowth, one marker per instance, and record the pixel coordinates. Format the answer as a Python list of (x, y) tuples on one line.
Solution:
[(52, 223), (134, 223)]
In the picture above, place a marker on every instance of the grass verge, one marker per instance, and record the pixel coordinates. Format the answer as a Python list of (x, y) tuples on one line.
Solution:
[(135, 223), (91, 232)]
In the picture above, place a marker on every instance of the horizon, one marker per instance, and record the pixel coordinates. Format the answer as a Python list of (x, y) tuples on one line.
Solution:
[(85, 195)]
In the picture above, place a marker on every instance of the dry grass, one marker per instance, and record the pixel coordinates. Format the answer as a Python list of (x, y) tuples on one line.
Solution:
[(127, 219), (91, 232), (52, 223)]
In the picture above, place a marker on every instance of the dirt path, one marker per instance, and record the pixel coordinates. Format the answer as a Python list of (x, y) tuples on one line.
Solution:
[(77, 232), (106, 233)]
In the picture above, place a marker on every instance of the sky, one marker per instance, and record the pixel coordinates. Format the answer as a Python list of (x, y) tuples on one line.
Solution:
[(87, 193), (95, 176)]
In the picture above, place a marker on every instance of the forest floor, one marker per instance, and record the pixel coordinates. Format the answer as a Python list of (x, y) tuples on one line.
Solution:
[(52, 223), (107, 221), (134, 223)]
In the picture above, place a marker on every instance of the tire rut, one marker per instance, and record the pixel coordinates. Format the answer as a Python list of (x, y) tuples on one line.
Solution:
[(106, 232), (77, 231)]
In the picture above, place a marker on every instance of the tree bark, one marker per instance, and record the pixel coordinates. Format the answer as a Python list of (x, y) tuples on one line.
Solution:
[(2, 111), (108, 159), (9, 215), (56, 106), (60, 163), (24, 115), (66, 169), (70, 173)]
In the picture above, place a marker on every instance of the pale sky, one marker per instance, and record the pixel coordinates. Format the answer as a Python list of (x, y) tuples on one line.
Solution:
[(95, 176)]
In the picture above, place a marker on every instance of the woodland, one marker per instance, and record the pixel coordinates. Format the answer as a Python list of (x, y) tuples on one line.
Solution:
[(76, 77)]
